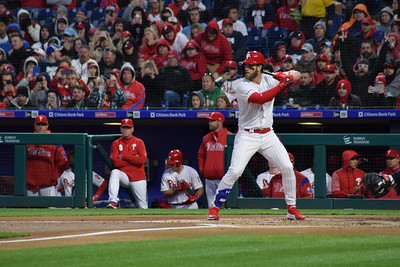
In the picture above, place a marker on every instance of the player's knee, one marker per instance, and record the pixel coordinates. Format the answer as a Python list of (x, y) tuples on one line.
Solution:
[(287, 168)]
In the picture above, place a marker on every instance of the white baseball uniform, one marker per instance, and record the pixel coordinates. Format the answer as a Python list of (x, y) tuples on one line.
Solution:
[(170, 180), (247, 142), (265, 176), (67, 182), (311, 177)]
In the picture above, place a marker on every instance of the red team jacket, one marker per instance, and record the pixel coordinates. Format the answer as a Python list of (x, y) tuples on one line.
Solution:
[(134, 157), (45, 163), (303, 187), (211, 154)]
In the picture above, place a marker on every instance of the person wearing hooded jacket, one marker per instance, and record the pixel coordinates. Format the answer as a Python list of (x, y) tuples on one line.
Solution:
[(344, 99), (278, 53), (349, 179), (215, 47), (162, 49), (176, 40), (29, 29), (320, 62), (134, 90), (385, 19), (195, 62), (282, 15)]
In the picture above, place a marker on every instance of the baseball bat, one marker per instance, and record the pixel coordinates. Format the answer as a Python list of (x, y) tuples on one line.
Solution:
[(273, 74)]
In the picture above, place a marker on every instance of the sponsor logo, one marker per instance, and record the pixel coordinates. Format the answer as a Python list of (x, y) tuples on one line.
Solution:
[(357, 140), (105, 115), (7, 114), (311, 114), (133, 114)]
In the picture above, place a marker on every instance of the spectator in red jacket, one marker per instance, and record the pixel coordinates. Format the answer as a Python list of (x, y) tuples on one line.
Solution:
[(211, 154), (134, 90), (45, 163), (318, 75), (303, 186), (282, 15), (349, 179), (195, 62), (215, 47)]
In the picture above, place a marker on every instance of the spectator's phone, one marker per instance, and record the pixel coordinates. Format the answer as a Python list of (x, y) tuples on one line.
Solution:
[(36, 70), (66, 72)]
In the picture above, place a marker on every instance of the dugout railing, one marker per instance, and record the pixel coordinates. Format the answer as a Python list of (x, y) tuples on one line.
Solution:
[(319, 142)]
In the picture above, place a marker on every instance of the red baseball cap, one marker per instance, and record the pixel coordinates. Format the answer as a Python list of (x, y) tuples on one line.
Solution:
[(126, 33), (216, 116), (126, 122), (368, 20), (287, 58), (329, 68), (230, 64), (392, 153), (227, 21), (80, 25), (41, 119), (291, 157)]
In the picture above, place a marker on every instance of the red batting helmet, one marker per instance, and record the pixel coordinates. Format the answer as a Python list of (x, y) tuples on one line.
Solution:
[(174, 157), (254, 58)]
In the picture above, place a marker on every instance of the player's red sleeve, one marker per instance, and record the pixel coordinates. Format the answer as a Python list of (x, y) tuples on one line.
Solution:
[(118, 163), (141, 156), (61, 161), (257, 98)]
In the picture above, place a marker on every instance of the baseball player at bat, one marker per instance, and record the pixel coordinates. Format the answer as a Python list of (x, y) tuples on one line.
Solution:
[(255, 94), (180, 183)]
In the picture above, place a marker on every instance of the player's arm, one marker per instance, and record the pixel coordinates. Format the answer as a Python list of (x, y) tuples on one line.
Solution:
[(201, 157), (114, 155), (140, 157)]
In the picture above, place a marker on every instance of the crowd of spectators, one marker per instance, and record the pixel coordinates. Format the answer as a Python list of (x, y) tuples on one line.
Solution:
[(152, 54)]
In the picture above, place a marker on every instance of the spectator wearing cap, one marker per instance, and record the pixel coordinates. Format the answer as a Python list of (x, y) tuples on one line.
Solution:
[(7, 90), (314, 11), (149, 45), (81, 15), (52, 60), (12, 29), (46, 31), (165, 14), (18, 53), (300, 95), (232, 13), (389, 70), (195, 62), (215, 47), (44, 163), (134, 90), (21, 101), (176, 82), (278, 53), (176, 40), (260, 15), (210, 154), (110, 17), (81, 29), (359, 13), (385, 19), (79, 100), (137, 24), (366, 33), (376, 95), (236, 39), (160, 57), (229, 81), (81, 63), (320, 62), (119, 42), (287, 63), (344, 99), (60, 26), (283, 18), (29, 29), (68, 44), (307, 60), (326, 89), (109, 94), (319, 36), (296, 41), (130, 52), (109, 61)]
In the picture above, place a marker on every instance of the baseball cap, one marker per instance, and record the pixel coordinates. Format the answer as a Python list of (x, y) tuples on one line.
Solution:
[(379, 34), (329, 68), (230, 64), (392, 153), (126, 123), (327, 43), (287, 58), (64, 20), (216, 116), (167, 29), (13, 27), (380, 78), (41, 119), (227, 21), (53, 47), (82, 9), (343, 84), (80, 25), (297, 35), (40, 51), (92, 30), (111, 7), (128, 44), (308, 47), (173, 20), (70, 32), (172, 52), (368, 20), (126, 33), (323, 57)]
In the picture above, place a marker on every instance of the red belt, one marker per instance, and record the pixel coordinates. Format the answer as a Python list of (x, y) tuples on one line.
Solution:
[(260, 131)]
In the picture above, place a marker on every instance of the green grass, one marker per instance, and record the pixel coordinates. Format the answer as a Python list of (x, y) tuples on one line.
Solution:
[(225, 250), (10, 235), (12, 212)]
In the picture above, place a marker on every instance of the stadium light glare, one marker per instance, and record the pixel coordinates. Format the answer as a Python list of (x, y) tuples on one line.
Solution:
[(310, 123)]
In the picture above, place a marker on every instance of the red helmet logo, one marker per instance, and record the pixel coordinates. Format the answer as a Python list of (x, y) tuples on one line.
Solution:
[(254, 58)]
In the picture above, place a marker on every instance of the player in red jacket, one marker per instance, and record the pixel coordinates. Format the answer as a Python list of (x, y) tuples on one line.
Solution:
[(215, 47), (211, 154), (303, 186), (134, 90), (349, 179), (45, 163), (128, 155)]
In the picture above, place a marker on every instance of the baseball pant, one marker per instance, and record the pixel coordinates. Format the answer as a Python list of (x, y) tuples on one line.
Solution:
[(43, 192), (211, 190), (268, 144), (139, 188)]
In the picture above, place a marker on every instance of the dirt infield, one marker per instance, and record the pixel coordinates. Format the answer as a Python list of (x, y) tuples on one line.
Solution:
[(63, 230)]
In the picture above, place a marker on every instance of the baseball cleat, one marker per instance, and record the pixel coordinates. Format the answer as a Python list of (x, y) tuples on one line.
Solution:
[(294, 214), (112, 205), (213, 213)]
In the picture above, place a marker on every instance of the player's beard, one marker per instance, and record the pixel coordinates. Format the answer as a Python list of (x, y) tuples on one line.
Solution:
[(251, 76)]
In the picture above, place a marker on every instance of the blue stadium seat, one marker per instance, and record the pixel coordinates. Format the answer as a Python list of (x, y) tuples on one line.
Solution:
[(258, 43), (273, 35), (120, 12), (91, 4), (253, 31), (97, 16), (72, 14), (44, 15)]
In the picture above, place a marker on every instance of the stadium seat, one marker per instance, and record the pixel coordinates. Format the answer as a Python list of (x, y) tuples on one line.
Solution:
[(253, 31), (273, 35), (72, 14), (44, 15), (97, 16), (91, 4), (120, 12), (258, 43)]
